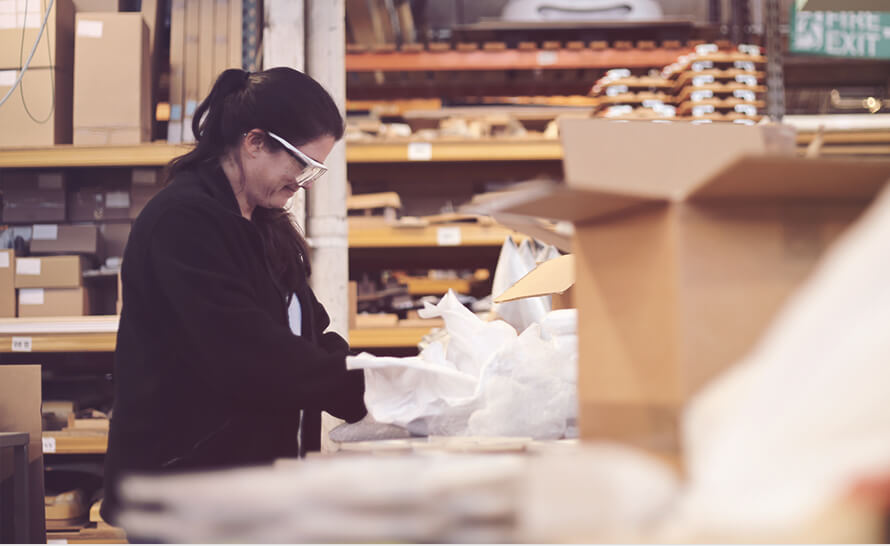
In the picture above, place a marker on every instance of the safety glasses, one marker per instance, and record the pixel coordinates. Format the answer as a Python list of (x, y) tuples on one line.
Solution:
[(312, 169)]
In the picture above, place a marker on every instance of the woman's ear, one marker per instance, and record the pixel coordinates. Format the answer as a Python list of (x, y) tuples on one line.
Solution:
[(254, 141)]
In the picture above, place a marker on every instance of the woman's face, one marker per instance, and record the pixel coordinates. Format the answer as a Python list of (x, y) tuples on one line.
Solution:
[(270, 174)]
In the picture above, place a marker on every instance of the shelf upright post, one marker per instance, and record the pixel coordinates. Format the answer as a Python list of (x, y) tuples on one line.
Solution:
[(328, 230)]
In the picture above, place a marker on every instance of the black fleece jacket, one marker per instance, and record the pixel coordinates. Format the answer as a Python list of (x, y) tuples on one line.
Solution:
[(207, 373)]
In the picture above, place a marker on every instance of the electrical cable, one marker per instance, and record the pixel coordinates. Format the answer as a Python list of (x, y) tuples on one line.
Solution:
[(30, 56), (52, 79)]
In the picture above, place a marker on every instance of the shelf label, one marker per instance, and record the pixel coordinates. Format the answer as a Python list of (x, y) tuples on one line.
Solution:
[(27, 266), (21, 344), (45, 232), (7, 77), (90, 29), (31, 296), (547, 58), (49, 181), (117, 200), (701, 95), (448, 236), (420, 151), (49, 444)]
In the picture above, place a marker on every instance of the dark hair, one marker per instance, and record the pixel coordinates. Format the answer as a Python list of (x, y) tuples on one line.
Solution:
[(285, 102)]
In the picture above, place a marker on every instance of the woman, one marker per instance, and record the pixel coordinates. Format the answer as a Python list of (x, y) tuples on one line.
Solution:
[(221, 358)]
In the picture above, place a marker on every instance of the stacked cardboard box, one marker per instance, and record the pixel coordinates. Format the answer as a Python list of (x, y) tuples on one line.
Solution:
[(7, 283), (51, 286), (112, 91), (33, 196), (38, 113), (205, 39)]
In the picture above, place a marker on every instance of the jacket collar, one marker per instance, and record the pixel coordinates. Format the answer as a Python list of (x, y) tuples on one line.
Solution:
[(215, 183)]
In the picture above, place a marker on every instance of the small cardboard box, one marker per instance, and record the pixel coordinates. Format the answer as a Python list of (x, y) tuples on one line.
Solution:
[(682, 259), (7, 283), (33, 196), (49, 272), (56, 45), (114, 239), (54, 302), (112, 91), (99, 202), (65, 239), (139, 197), (47, 119)]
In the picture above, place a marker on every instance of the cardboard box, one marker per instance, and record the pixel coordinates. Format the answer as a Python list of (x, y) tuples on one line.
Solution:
[(682, 260), (120, 294), (112, 91), (7, 283), (177, 70), (191, 85), (99, 202), (85, 6), (114, 239), (54, 302), (65, 239), (47, 119), (56, 46), (20, 396), (553, 278), (33, 196), (139, 197), (49, 272)]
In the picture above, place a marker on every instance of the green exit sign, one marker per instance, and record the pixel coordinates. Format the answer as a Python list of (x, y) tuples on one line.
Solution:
[(858, 34)]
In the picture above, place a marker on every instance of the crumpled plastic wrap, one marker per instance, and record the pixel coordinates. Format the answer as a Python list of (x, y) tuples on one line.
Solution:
[(482, 380), (514, 263)]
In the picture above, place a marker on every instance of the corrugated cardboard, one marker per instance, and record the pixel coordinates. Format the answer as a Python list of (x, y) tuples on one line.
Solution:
[(56, 45), (220, 37), (65, 239), (33, 196), (683, 259), (192, 94), (83, 6), (99, 202), (235, 20), (7, 283), (554, 276), (139, 197), (114, 239), (177, 67), (20, 396), (112, 93), (54, 302), (47, 119), (152, 14), (49, 272), (206, 38)]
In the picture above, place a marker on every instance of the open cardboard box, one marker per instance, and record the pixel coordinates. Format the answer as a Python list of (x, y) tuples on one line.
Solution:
[(688, 239)]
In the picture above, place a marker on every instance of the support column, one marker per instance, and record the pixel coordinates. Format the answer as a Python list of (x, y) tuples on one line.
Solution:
[(328, 231)]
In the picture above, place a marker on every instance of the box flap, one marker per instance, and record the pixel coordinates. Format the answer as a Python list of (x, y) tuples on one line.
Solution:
[(536, 229), (658, 160), (551, 277), (794, 177)]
